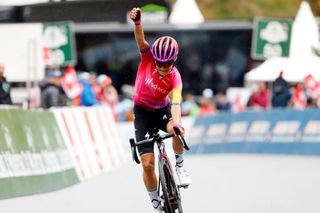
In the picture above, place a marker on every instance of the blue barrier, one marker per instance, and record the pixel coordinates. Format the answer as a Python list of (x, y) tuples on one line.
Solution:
[(279, 131)]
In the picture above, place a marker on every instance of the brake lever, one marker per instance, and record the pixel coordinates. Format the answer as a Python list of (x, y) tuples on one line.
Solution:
[(182, 140), (134, 151)]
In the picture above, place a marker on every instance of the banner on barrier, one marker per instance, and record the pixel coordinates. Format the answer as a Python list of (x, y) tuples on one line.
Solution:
[(33, 156), (92, 138), (278, 131)]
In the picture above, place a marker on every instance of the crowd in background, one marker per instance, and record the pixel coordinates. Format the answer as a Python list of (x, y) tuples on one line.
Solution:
[(98, 89), (70, 88)]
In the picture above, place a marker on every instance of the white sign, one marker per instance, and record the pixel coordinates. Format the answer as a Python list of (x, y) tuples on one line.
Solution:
[(21, 52)]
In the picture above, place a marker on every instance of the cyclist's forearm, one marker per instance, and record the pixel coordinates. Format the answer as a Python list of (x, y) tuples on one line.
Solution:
[(140, 39), (176, 113)]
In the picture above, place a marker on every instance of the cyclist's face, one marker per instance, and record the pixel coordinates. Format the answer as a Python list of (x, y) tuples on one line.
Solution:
[(164, 68)]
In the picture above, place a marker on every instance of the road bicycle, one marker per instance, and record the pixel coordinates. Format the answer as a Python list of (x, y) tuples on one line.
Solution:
[(168, 190)]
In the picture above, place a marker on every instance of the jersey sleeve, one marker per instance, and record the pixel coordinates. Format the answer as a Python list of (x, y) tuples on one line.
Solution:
[(177, 89), (145, 54)]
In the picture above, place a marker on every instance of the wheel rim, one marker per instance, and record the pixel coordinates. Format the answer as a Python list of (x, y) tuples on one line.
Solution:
[(171, 195)]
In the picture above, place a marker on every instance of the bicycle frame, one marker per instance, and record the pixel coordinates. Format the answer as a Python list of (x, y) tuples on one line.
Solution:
[(166, 178), (167, 185)]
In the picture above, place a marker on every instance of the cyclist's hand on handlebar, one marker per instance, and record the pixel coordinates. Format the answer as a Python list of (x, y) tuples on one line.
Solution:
[(135, 16), (180, 128), (179, 132)]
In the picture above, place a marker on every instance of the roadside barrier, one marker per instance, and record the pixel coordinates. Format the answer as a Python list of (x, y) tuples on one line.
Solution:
[(278, 131), (92, 138), (43, 151), (33, 155)]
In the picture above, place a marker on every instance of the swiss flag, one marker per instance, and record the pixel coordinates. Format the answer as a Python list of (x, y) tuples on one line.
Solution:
[(313, 87), (70, 83)]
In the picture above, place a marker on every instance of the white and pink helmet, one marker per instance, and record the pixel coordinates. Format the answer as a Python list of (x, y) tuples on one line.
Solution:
[(165, 49)]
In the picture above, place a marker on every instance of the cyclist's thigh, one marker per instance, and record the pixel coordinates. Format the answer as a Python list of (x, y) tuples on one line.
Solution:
[(144, 125)]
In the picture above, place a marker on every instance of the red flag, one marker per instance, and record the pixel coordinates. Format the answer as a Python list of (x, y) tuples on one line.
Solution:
[(70, 83)]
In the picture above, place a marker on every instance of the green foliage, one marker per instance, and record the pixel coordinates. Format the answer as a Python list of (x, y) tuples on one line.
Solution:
[(248, 9)]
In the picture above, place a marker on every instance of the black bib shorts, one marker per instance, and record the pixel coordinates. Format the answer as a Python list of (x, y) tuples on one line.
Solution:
[(145, 123)]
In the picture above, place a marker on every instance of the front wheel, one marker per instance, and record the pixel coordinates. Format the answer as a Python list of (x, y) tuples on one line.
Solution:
[(170, 190)]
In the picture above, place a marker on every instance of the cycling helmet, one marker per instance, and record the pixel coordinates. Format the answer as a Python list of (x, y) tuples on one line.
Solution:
[(165, 49)]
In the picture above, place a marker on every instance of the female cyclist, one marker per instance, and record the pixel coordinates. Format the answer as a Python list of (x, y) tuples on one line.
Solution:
[(157, 77)]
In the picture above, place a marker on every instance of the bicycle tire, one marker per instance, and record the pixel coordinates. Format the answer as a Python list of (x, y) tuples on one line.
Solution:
[(170, 190)]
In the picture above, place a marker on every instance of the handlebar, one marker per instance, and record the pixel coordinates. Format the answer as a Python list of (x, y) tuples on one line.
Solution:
[(155, 138)]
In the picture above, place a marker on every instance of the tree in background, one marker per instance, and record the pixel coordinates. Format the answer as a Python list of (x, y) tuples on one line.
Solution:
[(248, 9)]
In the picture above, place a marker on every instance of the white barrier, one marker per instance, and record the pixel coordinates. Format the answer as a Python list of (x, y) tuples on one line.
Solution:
[(91, 136)]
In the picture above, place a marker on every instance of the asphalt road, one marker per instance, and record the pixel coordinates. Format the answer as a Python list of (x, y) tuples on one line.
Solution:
[(221, 184)]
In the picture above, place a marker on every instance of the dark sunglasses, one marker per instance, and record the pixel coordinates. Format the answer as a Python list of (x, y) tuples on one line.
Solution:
[(164, 64)]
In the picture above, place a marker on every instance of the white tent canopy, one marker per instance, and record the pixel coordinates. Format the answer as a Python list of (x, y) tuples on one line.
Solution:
[(186, 12), (294, 70), (302, 60), (305, 32)]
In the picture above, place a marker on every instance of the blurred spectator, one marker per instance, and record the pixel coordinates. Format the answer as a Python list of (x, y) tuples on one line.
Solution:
[(312, 102), (105, 92), (207, 106), (312, 87), (125, 107), (189, 106), (222, 103), (124, 110), (88, 81), (260, 99), (280, 92), (52, 94), (299, 98), (5, 97)]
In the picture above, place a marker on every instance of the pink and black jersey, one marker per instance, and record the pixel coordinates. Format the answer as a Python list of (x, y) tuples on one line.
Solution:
[(151, 89)]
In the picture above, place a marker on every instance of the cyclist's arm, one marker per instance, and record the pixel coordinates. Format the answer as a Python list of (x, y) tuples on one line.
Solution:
[(139, 36), (176, 105)]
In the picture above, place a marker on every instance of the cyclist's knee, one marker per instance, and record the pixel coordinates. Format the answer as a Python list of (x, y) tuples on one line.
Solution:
[(148, 162)]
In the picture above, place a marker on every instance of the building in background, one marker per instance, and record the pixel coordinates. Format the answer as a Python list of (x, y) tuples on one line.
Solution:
[(216, 53)]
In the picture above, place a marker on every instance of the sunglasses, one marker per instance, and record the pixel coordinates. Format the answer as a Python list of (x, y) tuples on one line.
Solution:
[(164, 64)]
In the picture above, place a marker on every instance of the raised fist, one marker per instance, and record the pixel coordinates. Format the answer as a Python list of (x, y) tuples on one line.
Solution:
[(135, 16)]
